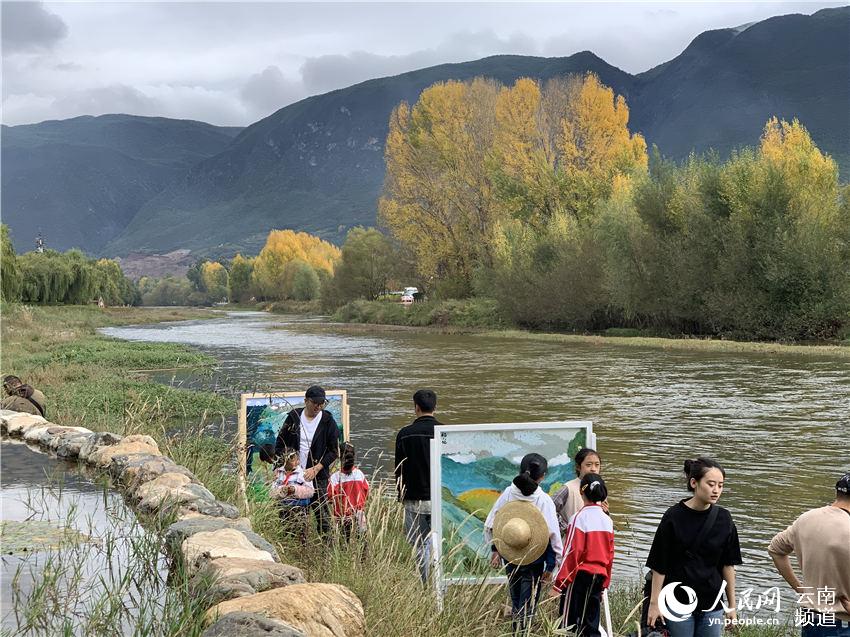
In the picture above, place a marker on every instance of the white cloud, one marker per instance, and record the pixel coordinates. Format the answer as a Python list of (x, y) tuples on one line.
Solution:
[(232, 63)]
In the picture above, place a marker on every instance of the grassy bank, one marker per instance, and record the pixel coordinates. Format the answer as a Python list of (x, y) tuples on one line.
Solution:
[(99, 382), (481, 317)]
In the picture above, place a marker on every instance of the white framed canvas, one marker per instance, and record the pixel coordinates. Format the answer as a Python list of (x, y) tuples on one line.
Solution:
[(470, 466), (266, 412)]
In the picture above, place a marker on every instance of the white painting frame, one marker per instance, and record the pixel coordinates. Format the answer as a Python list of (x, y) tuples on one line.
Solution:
[(441, 581)]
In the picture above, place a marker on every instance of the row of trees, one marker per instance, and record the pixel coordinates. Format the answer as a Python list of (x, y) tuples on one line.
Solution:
[(542, 198), (291, 266), (70, 277)]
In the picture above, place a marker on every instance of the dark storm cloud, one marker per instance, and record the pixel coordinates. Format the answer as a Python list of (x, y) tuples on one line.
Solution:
[(28, 26)]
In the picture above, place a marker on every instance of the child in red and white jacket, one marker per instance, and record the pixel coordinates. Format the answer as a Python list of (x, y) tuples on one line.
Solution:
[(347, 492), (588, 557)]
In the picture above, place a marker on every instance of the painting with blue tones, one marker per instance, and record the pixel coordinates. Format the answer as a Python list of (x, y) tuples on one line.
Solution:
[(260, 420), (471, 465)]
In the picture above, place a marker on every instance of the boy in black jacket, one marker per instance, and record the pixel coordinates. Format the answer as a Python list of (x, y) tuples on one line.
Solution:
[(315, 434)]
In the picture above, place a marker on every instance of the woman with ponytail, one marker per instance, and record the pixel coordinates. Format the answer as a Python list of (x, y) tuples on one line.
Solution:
[(696, 544), (588, 558), (524, 534)]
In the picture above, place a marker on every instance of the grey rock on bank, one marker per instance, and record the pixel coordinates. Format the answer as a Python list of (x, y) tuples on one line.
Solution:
[(250, 625), (96, 442), (230, 577), (318, 610), (185, 528)]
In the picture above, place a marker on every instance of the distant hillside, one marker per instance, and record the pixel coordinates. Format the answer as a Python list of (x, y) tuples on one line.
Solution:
[(723, 87), (80, 181), (317, 165)]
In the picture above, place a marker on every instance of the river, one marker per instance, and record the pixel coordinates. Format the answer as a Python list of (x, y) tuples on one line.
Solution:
[(779, 424)]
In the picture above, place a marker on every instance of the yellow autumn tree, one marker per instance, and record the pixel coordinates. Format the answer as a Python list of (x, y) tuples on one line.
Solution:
[(214, 277), (438, 197), (274, 267), (787, 149), (558, 150)]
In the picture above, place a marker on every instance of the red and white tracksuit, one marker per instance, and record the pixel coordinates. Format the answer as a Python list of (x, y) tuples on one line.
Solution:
[(588, 546), (347, 493)]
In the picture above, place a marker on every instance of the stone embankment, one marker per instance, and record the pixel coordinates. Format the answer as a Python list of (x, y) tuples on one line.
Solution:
[(251, 591)]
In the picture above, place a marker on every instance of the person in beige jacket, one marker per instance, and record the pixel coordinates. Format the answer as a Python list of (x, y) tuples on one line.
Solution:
[(21, 397), (821, 540)]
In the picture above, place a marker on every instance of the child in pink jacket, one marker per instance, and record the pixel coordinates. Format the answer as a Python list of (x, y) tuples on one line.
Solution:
[(293, 493)]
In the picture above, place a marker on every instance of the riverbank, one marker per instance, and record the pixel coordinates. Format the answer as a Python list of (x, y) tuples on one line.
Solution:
[(480, 317), (62, 350)]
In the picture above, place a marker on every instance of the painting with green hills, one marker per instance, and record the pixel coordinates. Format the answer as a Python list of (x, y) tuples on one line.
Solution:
[(474, 464)]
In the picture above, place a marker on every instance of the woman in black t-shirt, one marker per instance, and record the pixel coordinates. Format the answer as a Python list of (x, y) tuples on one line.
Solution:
[(701, 560)]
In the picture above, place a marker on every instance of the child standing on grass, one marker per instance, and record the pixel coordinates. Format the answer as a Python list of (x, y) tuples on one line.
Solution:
[(347, 492), (523, 529), (294, 493), (588, 557)]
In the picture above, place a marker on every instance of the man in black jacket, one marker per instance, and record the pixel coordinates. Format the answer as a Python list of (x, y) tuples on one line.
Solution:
[(413, 475), (313, 432)]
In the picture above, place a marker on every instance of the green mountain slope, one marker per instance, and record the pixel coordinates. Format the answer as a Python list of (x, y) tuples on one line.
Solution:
[(315, 165), (80, 181), (118, 184)]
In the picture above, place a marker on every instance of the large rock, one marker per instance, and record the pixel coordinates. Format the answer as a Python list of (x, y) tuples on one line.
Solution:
[(129, 445), (17, 423), (222, 543), (229, 577), (177, 533), (97, 442), (69, 443), (161, 486), (33, 434), (217, 509), (238, 523), (142, 469), (174, 497), (250, 625), (317, 610), (47, 438)]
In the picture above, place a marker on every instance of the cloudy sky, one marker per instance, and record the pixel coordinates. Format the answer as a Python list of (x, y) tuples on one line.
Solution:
[(234, 63)]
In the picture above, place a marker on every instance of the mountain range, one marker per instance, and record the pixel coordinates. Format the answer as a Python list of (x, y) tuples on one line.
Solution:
[(117, 184)]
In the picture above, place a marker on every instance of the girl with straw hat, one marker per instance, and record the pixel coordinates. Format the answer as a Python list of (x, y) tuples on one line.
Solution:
[(524, 534)]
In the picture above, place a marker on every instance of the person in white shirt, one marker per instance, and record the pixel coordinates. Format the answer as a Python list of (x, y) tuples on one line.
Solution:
[(313, 431), (527, 538)]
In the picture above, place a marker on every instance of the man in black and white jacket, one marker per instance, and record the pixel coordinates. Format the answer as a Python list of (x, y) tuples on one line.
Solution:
[(313, 432)]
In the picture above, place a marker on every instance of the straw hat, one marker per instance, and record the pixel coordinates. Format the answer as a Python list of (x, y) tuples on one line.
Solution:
[(520, 532)]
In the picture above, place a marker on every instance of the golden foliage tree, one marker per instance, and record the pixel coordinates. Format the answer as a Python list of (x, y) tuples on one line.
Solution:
[(438, 197), (558, 150), (273, 275), (214, 277)]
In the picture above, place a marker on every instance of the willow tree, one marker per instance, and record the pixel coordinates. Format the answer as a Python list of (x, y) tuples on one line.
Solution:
[(10, 273), (559, 150), (239, 281)]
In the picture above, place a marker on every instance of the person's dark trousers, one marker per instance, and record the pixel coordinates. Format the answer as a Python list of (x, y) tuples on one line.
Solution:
[(524, 586), (583, 600), (293, 519), (320, 506)]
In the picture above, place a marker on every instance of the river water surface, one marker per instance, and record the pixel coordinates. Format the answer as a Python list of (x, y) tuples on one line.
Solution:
[(779, 424)]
